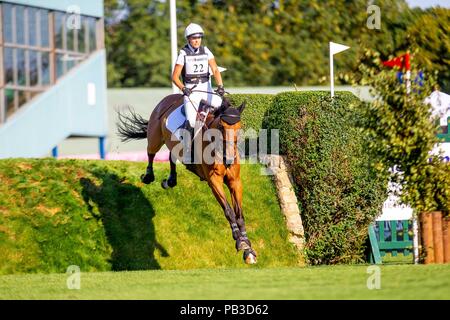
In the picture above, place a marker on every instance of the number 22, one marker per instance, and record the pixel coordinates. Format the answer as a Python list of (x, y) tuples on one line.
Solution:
[(196, 68)]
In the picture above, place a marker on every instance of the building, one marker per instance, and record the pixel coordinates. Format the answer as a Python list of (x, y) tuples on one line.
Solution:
[(52, 75)]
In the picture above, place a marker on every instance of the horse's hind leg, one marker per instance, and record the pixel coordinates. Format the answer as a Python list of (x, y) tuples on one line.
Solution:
[(172, 180), (149, 176), (153, 146)]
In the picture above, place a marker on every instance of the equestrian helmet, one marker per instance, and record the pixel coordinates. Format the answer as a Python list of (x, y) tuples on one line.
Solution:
[(193, 29)]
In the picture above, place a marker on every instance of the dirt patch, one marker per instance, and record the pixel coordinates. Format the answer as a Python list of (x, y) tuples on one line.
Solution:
[(11, 235), (5, 180), (261, 244), (48, 212), (25, 166)]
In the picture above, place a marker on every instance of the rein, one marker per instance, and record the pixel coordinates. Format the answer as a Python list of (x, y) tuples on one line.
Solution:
[(209, 92), (220, 127)]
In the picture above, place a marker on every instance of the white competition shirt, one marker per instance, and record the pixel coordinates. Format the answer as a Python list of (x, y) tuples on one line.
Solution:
[(180, 59)]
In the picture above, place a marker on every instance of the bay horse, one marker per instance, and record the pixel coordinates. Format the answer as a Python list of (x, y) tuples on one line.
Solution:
[(226, 169)]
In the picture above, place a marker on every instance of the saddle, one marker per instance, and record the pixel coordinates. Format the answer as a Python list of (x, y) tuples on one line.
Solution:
[(202, 112)]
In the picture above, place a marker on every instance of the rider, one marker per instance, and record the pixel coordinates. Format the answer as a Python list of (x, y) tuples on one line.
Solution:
[(195, 63)]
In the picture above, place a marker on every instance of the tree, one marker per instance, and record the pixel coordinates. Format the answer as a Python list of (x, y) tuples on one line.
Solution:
[(402, 133), (431, 33), (269, 42)]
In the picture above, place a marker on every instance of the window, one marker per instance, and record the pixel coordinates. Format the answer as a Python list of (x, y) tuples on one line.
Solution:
[(7, 23), (34, 56), (59, 30), (81, 36), (45, 68), (20, 24), (28, 56), (21, 76), (33, 27), (9, 101), (44, 28), (92, 33), (9, 65)]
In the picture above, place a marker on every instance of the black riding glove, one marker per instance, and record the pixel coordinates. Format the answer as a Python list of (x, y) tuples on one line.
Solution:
[(186, 91), (220, 91)]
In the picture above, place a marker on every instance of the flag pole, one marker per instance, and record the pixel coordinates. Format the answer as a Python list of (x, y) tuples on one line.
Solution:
[(331, 74), (407, 64), (173, 37)]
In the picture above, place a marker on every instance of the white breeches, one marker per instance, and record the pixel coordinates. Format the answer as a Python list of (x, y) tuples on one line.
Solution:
[(192, 102)]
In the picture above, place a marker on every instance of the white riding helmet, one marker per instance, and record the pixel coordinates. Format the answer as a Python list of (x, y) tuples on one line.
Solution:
[(192, 29)]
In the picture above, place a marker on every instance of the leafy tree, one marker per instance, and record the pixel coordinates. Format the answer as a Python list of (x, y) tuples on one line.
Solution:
[(402, 134), (431, 33), (137, 44), (269, 42)]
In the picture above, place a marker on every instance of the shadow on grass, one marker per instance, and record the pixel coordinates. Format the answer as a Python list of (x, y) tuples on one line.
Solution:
[(127, 217)]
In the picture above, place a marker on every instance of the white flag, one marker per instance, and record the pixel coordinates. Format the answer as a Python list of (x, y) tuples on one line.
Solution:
[(220, 70), (336, 48)]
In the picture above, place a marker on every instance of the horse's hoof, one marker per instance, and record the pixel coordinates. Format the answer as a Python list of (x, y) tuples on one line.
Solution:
[(147, 178), (249, 257), (172, 181), (164, 184)]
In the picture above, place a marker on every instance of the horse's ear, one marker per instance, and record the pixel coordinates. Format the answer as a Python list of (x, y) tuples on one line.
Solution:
[(242, 107)]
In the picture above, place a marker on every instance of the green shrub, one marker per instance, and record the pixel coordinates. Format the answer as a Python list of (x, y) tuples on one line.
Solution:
[(339, 192), (256, 107)]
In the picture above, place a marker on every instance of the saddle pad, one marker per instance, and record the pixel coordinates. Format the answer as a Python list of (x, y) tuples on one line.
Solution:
[(176, 120)]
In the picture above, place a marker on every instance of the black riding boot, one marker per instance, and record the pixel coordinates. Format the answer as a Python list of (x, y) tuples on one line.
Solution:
[(188, 146)]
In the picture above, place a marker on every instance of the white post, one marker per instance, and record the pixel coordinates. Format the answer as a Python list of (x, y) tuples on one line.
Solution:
[(173, 38), (331, 74), (408, 81), (415, 240)]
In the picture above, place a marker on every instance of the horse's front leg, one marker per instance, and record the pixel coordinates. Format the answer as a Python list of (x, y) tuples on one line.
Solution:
[(172, 180), (149, 176), (215, 182), (235, 187)]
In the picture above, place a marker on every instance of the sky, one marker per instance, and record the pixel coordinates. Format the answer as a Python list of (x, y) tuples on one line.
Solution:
[(428, 3)]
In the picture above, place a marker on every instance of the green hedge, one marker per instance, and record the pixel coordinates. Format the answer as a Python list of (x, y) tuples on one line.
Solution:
[(256, 107), (338, 191)]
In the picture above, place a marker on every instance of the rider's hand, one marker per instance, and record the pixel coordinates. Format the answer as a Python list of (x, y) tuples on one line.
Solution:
[(220, 91), (186, 91)]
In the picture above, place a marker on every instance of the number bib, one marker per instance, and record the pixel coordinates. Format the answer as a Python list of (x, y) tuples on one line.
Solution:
[(196, 66)]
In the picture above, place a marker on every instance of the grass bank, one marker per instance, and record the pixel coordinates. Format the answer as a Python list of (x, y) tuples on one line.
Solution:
[(99, 216)]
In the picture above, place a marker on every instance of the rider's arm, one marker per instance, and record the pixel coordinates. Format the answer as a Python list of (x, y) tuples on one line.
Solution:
[(176, 76), (216, 72)]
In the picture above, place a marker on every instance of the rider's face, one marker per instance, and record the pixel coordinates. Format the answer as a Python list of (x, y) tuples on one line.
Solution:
[(195, 42)]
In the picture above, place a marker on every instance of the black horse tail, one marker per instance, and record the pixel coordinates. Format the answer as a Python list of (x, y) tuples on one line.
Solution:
[(132, 126)]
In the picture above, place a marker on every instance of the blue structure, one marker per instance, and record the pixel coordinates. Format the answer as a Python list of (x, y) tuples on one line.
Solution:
[(53, 75)]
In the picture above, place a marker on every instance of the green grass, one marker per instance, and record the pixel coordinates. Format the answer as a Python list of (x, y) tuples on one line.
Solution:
[(325, 282), (99, 216)]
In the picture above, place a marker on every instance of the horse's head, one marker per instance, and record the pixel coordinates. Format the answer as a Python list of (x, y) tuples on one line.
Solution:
[(229, 125)]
